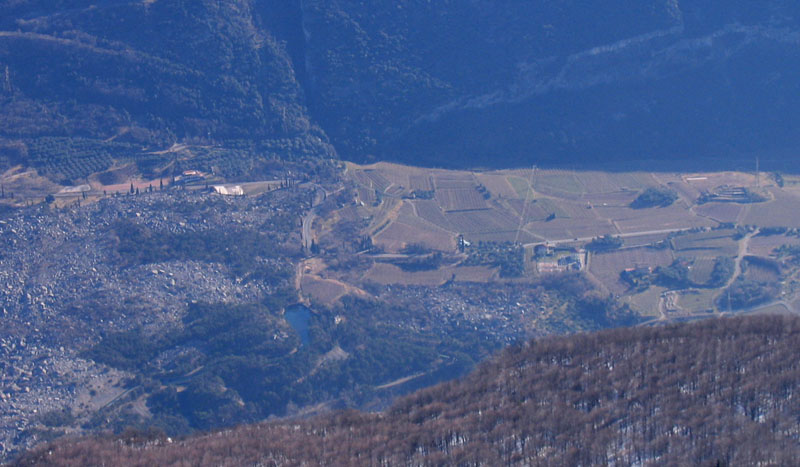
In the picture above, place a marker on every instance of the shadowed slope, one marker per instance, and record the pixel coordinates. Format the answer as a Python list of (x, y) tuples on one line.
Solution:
[(719, 390)]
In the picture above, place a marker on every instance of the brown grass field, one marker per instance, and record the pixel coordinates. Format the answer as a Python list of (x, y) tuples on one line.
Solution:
[(26, 184), (780, 212), (484, 221), (507, 236), (708, 181), (633, 180), (322, 290), (762, 245), (414, 230), (761, 272), (420, 183), (536, 210), (377, 180), (697, 300), (560, 183), (618, 199), (497, 185), (576, 210), (606, 267), (644, 240), (646, 303), (386, 274), (431, 212), (612, 182), (701, 270), (597, 182), (706, 244), (521, 186), (460, 199), (562, 229), (454, 180), (676, 216), (720, 212)]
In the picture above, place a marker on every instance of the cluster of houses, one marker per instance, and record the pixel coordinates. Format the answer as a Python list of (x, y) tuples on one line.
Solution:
[(551, 259)]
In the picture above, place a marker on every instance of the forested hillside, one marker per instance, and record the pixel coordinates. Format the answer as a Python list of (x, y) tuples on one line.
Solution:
[(717, 392), (568, 82), (147, 74), (435, 83)]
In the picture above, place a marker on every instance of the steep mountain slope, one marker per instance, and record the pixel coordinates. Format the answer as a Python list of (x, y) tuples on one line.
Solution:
[(148, 73), (716, 392), (436, 83), (516, 82)]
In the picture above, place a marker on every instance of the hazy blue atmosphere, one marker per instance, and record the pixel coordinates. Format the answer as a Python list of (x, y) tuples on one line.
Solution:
[(408, 232), (484, 83)]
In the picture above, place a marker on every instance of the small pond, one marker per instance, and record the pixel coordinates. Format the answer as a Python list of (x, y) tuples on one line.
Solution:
[(298, 316)]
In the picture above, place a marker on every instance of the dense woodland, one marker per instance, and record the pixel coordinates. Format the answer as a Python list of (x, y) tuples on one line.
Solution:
[(429, 83), (84, 83), (623, 396), (227, 364)]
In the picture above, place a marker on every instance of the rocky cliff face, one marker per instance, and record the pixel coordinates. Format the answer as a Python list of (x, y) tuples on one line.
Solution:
[(482, 83)]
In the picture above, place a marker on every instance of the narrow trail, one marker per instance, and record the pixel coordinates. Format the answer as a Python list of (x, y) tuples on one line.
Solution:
[(528, 195), (744, 243), (622, 235)]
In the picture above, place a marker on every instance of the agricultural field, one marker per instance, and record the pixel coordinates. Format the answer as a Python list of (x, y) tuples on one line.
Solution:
[(676, 216), (560, 229), (764, 245), (408, 228), (616, 199), (420, 183), (644, 240), (434, 209), (701, 269), (606, 267), (322, 290), (484, 221), (611, 182), (535, 209), (376, 180), (721, 212), (761, 269), (647, 303), (779, 212), (558, 183), (561, 205), (431, 212), (521, 186), (521, 236), (460, 199), (706, 244), (454, 181), (574, 210), (378, 213), (499, 186), (697, 300)]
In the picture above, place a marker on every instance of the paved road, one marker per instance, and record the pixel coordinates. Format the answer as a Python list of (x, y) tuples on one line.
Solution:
[(623, 235), (308, 219)]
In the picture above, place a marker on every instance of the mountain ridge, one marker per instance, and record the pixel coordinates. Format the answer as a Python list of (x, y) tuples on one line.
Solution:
[(615, 396)]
